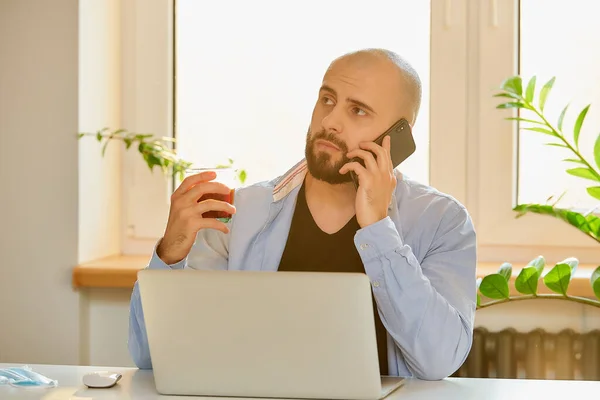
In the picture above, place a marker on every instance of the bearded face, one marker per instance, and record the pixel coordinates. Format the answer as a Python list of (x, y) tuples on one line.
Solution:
[(325, 154)]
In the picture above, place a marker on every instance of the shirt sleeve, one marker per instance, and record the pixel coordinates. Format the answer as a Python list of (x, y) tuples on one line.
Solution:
[(427, 307), (138, 339)]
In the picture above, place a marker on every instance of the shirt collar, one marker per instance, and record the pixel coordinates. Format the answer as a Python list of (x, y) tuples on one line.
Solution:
[(290, 180)]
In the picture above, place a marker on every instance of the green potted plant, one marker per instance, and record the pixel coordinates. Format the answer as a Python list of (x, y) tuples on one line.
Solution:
[(496, 286), (156, 151)]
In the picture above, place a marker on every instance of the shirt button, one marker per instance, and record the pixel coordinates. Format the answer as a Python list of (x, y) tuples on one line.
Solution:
[(375, 284), (364, 246)]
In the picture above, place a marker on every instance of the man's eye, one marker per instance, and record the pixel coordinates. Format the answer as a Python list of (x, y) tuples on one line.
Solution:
[(359, 111), (327, 101)]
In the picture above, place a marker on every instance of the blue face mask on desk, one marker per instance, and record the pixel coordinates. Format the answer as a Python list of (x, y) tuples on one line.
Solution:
[(24, 377)]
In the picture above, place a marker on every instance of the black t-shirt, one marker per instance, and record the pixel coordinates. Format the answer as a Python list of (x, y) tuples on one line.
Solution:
[(308, 248)]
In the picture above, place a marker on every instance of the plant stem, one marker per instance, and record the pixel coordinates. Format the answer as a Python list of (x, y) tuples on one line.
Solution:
[(581, 300), (565, 141)]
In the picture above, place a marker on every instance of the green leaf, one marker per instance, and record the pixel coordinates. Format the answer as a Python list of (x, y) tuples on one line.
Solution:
[(127, 142), (594, 191), (520, 119), (513, 85), (99, 134), (559, 277), (141, 136), (242, 176), (541, 130), (478, 295), (104, 147), (588, 224), (574, 160), (530, 90), (545, 92), (494, 286), (557, 145), (538, 263), (572, 262), (80, 135), (152, 160), (578, 124), (527, 280), (597, 151), (594, 226), (585, 173), (595, 281), (562, 117), (511, 105), (509, 95), (506, 271)]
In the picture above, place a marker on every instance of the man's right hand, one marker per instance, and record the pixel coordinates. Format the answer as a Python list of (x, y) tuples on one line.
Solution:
[(185, 215)]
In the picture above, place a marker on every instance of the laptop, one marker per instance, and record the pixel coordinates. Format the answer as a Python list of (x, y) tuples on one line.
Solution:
[(263, 334)]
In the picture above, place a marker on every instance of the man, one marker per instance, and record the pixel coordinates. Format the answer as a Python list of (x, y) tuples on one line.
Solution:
[(417, 245)]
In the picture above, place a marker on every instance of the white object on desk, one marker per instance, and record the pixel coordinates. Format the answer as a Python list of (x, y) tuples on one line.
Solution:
[(101, 379), (139, 385), (263, 334)]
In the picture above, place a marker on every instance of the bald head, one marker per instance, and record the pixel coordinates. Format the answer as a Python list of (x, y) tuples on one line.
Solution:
[(361, 96), (411, 88)]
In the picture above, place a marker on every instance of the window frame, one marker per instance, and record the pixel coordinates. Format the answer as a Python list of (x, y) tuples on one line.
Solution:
[(147, 107), (501, 236)]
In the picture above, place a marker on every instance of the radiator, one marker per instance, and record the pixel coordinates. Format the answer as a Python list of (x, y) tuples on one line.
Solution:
[(533, 355)]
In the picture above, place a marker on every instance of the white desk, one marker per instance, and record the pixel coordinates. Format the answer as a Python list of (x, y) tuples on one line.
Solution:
[(139, 384)]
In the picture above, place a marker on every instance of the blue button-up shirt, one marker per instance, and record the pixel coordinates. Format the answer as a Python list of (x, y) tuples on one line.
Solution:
[(421, 261)]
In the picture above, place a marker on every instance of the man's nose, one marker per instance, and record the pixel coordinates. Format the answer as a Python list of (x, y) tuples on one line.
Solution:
[(333, 122)]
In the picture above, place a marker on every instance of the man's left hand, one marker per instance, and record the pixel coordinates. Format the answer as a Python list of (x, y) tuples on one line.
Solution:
[(376, 181)]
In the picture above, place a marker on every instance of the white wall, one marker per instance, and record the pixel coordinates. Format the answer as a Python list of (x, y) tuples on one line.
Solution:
[(551, 315), (38, 181), (103, 313), (52, 86), (107, 323)]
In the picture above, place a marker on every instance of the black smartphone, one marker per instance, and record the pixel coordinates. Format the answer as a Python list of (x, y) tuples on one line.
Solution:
[(402, 145)]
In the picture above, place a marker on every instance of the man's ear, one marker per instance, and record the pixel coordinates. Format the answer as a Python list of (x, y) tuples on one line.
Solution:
[(412, 120)]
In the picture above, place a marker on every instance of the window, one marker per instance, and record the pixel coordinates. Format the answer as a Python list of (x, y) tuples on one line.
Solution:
[(572, 54), (247, 81), (513, 35)]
